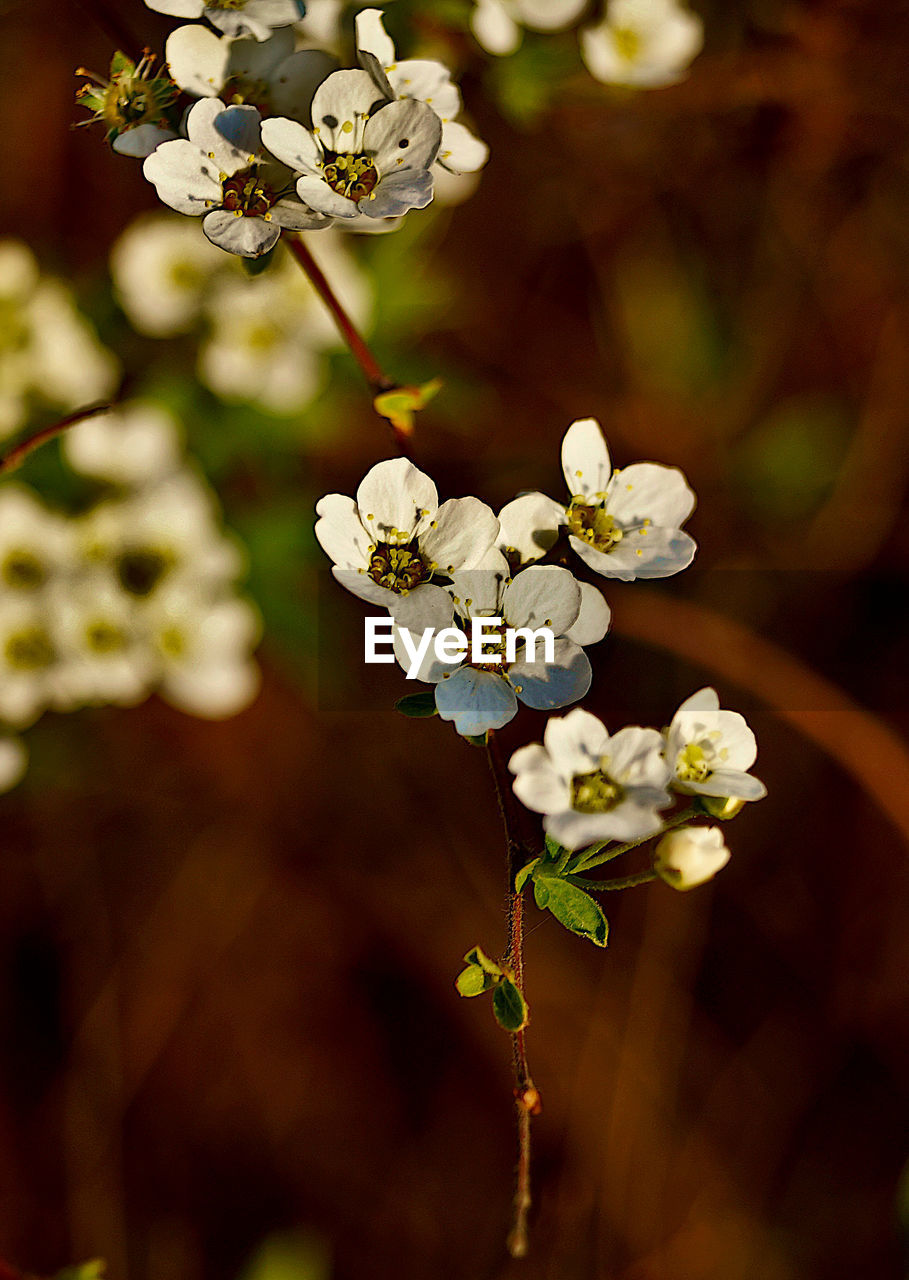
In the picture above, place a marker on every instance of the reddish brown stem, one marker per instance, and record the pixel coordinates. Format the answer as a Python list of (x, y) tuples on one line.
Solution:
[(15, 456), (527, 1097)]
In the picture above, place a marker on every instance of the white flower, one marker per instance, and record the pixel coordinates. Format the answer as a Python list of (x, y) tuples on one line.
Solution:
[(424, 80), (321, 24), (497, 23), (160, 267), (220, 172), (359, 160), (479, 696), (592, 786), (266, 74), (690, 856), (35, 545), (257, 18), (29, 660), (104, 656), (709, 751), (623, 524), (129, 446), (13, 761), (643, 43), (205, 649), (389, 543), (267, 335)]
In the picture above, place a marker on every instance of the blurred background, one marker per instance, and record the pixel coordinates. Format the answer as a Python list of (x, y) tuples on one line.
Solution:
[(231, 1044)]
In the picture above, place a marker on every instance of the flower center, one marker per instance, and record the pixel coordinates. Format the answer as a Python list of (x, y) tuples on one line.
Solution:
[(595, 792), (493, 646), (141, 570), (29, 650), (692, 765), (627, 43), (399, 568), (244, 194), (594, 525), (225, 4), (240, 90), (23, 571), (104, 637), (350, 174)]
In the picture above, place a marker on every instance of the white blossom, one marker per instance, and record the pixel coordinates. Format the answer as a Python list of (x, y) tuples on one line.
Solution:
[(363, 155), (390, 542), (257, 18), (482, 695), (29, 660), (497, 23), (642, 43), (690, 856), (161, 267), (103, 654), (266, 74), (35, 544), (424, 80), (13, 761), (710, 751), (592, 786), (220, 173), (130, 445)]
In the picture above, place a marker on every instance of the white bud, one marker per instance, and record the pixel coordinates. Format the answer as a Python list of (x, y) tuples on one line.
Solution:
[(690, 856)]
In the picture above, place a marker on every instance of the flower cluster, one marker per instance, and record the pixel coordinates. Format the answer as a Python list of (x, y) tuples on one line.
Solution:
[(135, 595), (642, 44), (279, 139), (264, 339), (49, 354)]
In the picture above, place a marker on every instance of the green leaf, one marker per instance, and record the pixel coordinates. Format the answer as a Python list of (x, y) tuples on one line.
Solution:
[(509, 1006), (418, 706), (524, 874), (541, 892), (255, 266), (575, 909), (479, 957), (473, 981), (401, 403), (554, 849), (120, 63)]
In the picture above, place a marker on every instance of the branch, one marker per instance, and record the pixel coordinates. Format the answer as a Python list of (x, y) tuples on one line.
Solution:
[(15, 456)]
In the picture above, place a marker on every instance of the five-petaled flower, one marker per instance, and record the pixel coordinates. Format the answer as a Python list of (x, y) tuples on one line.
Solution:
[(257, 18), (710, 751), (220, 171), (645, 44)]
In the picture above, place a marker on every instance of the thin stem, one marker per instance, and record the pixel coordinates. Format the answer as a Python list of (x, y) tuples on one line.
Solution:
[(622, 882), (15, 456), (527, 1097), (594, 858)]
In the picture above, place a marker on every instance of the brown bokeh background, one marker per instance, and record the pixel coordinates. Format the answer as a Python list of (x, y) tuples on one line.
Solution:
[(227, 950)]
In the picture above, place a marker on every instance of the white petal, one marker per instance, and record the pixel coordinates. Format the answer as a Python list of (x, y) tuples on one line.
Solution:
[(340, 108), (256, 59), (425, 606), (240, 128), (142, 140), (585, 459), (726, 782), (184, 177), (634, 757), (537, 784), (476, 701), (593, 619), (247, 237), (577, 830), (429, 82), (542, 596), (529, 525), (463, 531), (657, 554), (295, 81), (404, 134), (648, 491), (340, 532), (394, 497), (398, 193), (319, 196), (460, 150), (292, 144), (575, 742), (13, 762), (197, 60), (548, 685), (494, 28), (178, 8), (293, 215), (705, 699), (373, 38), (201, 126), (549, 15), (478, 592)]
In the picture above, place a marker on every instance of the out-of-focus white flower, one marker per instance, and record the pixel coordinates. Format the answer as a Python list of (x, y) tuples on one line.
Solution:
[(710, 751), (592, 786), (267, 335), (425, 81), (130, 445), (35, 545), (389, 542), (257, 18), (623, 524), (690, 856), (160, 267), (357, 160), (484, 695), (219, 172), (104, 655), (13, 761), (321, 24), (265, 74), (497, 23), (29, 660), (205, 650), (642, 43)]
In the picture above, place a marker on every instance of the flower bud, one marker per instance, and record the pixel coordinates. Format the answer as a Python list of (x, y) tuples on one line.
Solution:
[(690, 856)]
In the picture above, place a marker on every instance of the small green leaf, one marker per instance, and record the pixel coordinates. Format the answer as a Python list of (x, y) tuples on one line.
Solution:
[(554, 849), (475, 739), (479, 957), (541, 892), (418, 706), (255, 266), (574, 909), (524, 874), (509, 1006), (401, 403), (473, 981), (120, 64)]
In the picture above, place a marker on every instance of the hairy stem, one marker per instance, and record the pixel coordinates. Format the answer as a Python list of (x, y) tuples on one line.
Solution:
[(15, 456), (527, 1097), (622, 882)]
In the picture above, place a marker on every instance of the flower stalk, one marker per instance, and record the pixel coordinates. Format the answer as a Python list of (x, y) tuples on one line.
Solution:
[(14, 457)]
